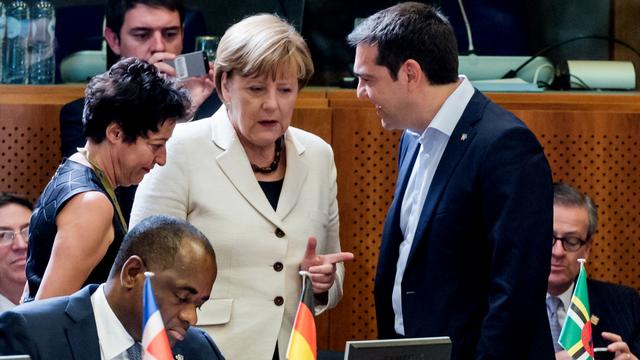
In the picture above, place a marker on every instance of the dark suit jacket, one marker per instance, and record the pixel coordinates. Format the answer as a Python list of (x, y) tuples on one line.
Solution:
[(65, 328), (72, 137), (478, 266), (618, 311)]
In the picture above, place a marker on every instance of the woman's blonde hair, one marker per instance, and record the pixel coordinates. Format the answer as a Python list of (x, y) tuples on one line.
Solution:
[(262, 44)]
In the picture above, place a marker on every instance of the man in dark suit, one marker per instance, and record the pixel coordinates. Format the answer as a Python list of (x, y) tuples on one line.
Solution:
[(105, 321), (615, 309), (151, 30), (463, 252)]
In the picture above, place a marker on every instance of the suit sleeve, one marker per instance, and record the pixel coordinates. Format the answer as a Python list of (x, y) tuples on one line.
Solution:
[(517, 198), (634, 341), (14, 336)]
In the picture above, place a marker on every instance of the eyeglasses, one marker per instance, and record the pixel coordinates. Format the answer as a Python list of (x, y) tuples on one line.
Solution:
[(7, 236), (569, 243)]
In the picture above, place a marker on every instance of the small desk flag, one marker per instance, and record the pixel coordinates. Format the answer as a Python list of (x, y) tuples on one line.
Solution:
[(302, 344), (155, 342), (576, 332)]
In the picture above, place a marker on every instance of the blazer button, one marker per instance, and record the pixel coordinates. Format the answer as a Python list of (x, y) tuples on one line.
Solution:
[(278, 266), (278, 300), (279, 233)]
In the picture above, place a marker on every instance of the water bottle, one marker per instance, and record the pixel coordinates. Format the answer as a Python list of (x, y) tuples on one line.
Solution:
[(3, 23), (16, 41), (42, 65)]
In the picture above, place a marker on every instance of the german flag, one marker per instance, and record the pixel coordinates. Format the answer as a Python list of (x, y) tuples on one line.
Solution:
[(302, 344), (576, 333)]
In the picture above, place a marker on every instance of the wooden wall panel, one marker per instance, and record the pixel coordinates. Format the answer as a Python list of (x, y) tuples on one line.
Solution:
[(598, 152), (366, 161), (591, 141), (30, 142), (29, 147)]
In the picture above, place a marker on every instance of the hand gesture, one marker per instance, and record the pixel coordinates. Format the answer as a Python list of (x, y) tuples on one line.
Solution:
[(200, 88), (322, 267)]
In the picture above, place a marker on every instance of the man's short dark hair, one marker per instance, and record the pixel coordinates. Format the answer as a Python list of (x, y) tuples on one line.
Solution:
[(7, 198), (134, 95), (156, 240), (567, 195), (116, 10), (415, 31)]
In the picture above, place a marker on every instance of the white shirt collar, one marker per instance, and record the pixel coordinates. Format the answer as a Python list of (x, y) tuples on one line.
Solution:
[(450, 112), (5, 304), (113, 337)]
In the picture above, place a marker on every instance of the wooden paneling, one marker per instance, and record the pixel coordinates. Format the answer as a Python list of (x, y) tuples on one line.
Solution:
[(590, 139), (599, 153), (366, 162)]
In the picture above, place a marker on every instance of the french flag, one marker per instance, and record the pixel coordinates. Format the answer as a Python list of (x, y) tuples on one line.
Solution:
[(155, 343)]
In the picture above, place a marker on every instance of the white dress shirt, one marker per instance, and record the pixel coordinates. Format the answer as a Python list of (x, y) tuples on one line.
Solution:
[(433, 141), (5, 304), (113, 337)]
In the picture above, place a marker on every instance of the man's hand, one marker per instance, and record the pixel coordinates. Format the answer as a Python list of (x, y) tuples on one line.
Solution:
[(563, 355), (158, 60), (619, 347), (322, 267), (200, 88)]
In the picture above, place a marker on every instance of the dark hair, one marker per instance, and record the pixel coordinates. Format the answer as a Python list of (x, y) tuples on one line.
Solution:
[(134, 95), (116, 10), (567, 195), (7, 198), (156, 240), (415, 31)]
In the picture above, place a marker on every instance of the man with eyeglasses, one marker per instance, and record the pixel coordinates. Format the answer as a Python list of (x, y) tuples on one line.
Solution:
[(615, 309), (15, 212)]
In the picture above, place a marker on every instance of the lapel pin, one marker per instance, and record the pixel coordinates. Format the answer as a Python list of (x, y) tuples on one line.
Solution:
[(463, 137), (595, 320), (179, 357)]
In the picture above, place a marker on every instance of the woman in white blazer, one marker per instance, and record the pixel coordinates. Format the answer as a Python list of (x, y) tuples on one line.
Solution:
[(263, 192)]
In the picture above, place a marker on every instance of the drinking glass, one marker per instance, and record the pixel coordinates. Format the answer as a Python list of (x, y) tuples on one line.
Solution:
[(208, 44)]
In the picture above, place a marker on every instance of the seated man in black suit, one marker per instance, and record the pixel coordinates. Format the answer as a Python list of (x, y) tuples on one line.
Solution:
[(105, 321), (615, 309), (151, 30)]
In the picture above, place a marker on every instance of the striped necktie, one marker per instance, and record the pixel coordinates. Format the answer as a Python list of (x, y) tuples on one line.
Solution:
[(553, 303)]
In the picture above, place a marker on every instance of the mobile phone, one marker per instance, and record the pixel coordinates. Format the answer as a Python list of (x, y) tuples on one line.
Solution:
[(190, 65)]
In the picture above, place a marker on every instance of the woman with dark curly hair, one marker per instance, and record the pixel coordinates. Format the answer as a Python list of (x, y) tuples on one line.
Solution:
[(77, 226)]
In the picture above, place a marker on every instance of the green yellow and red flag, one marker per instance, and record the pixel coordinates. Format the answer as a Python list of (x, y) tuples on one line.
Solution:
[(575, 336)]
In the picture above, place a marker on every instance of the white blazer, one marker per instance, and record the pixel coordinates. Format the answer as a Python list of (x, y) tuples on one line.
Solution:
[(208, 181)]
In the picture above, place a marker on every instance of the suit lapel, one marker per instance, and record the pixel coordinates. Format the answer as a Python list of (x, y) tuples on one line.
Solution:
[(295, 176), (82, 334), (235, 165), (459, 141)]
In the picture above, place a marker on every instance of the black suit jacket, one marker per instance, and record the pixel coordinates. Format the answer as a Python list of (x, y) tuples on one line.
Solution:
[(618, 311), (72, 137), (65, 328), (478, 266)]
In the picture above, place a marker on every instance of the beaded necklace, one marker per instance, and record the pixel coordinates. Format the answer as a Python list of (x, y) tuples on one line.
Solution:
[(274, 164)]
